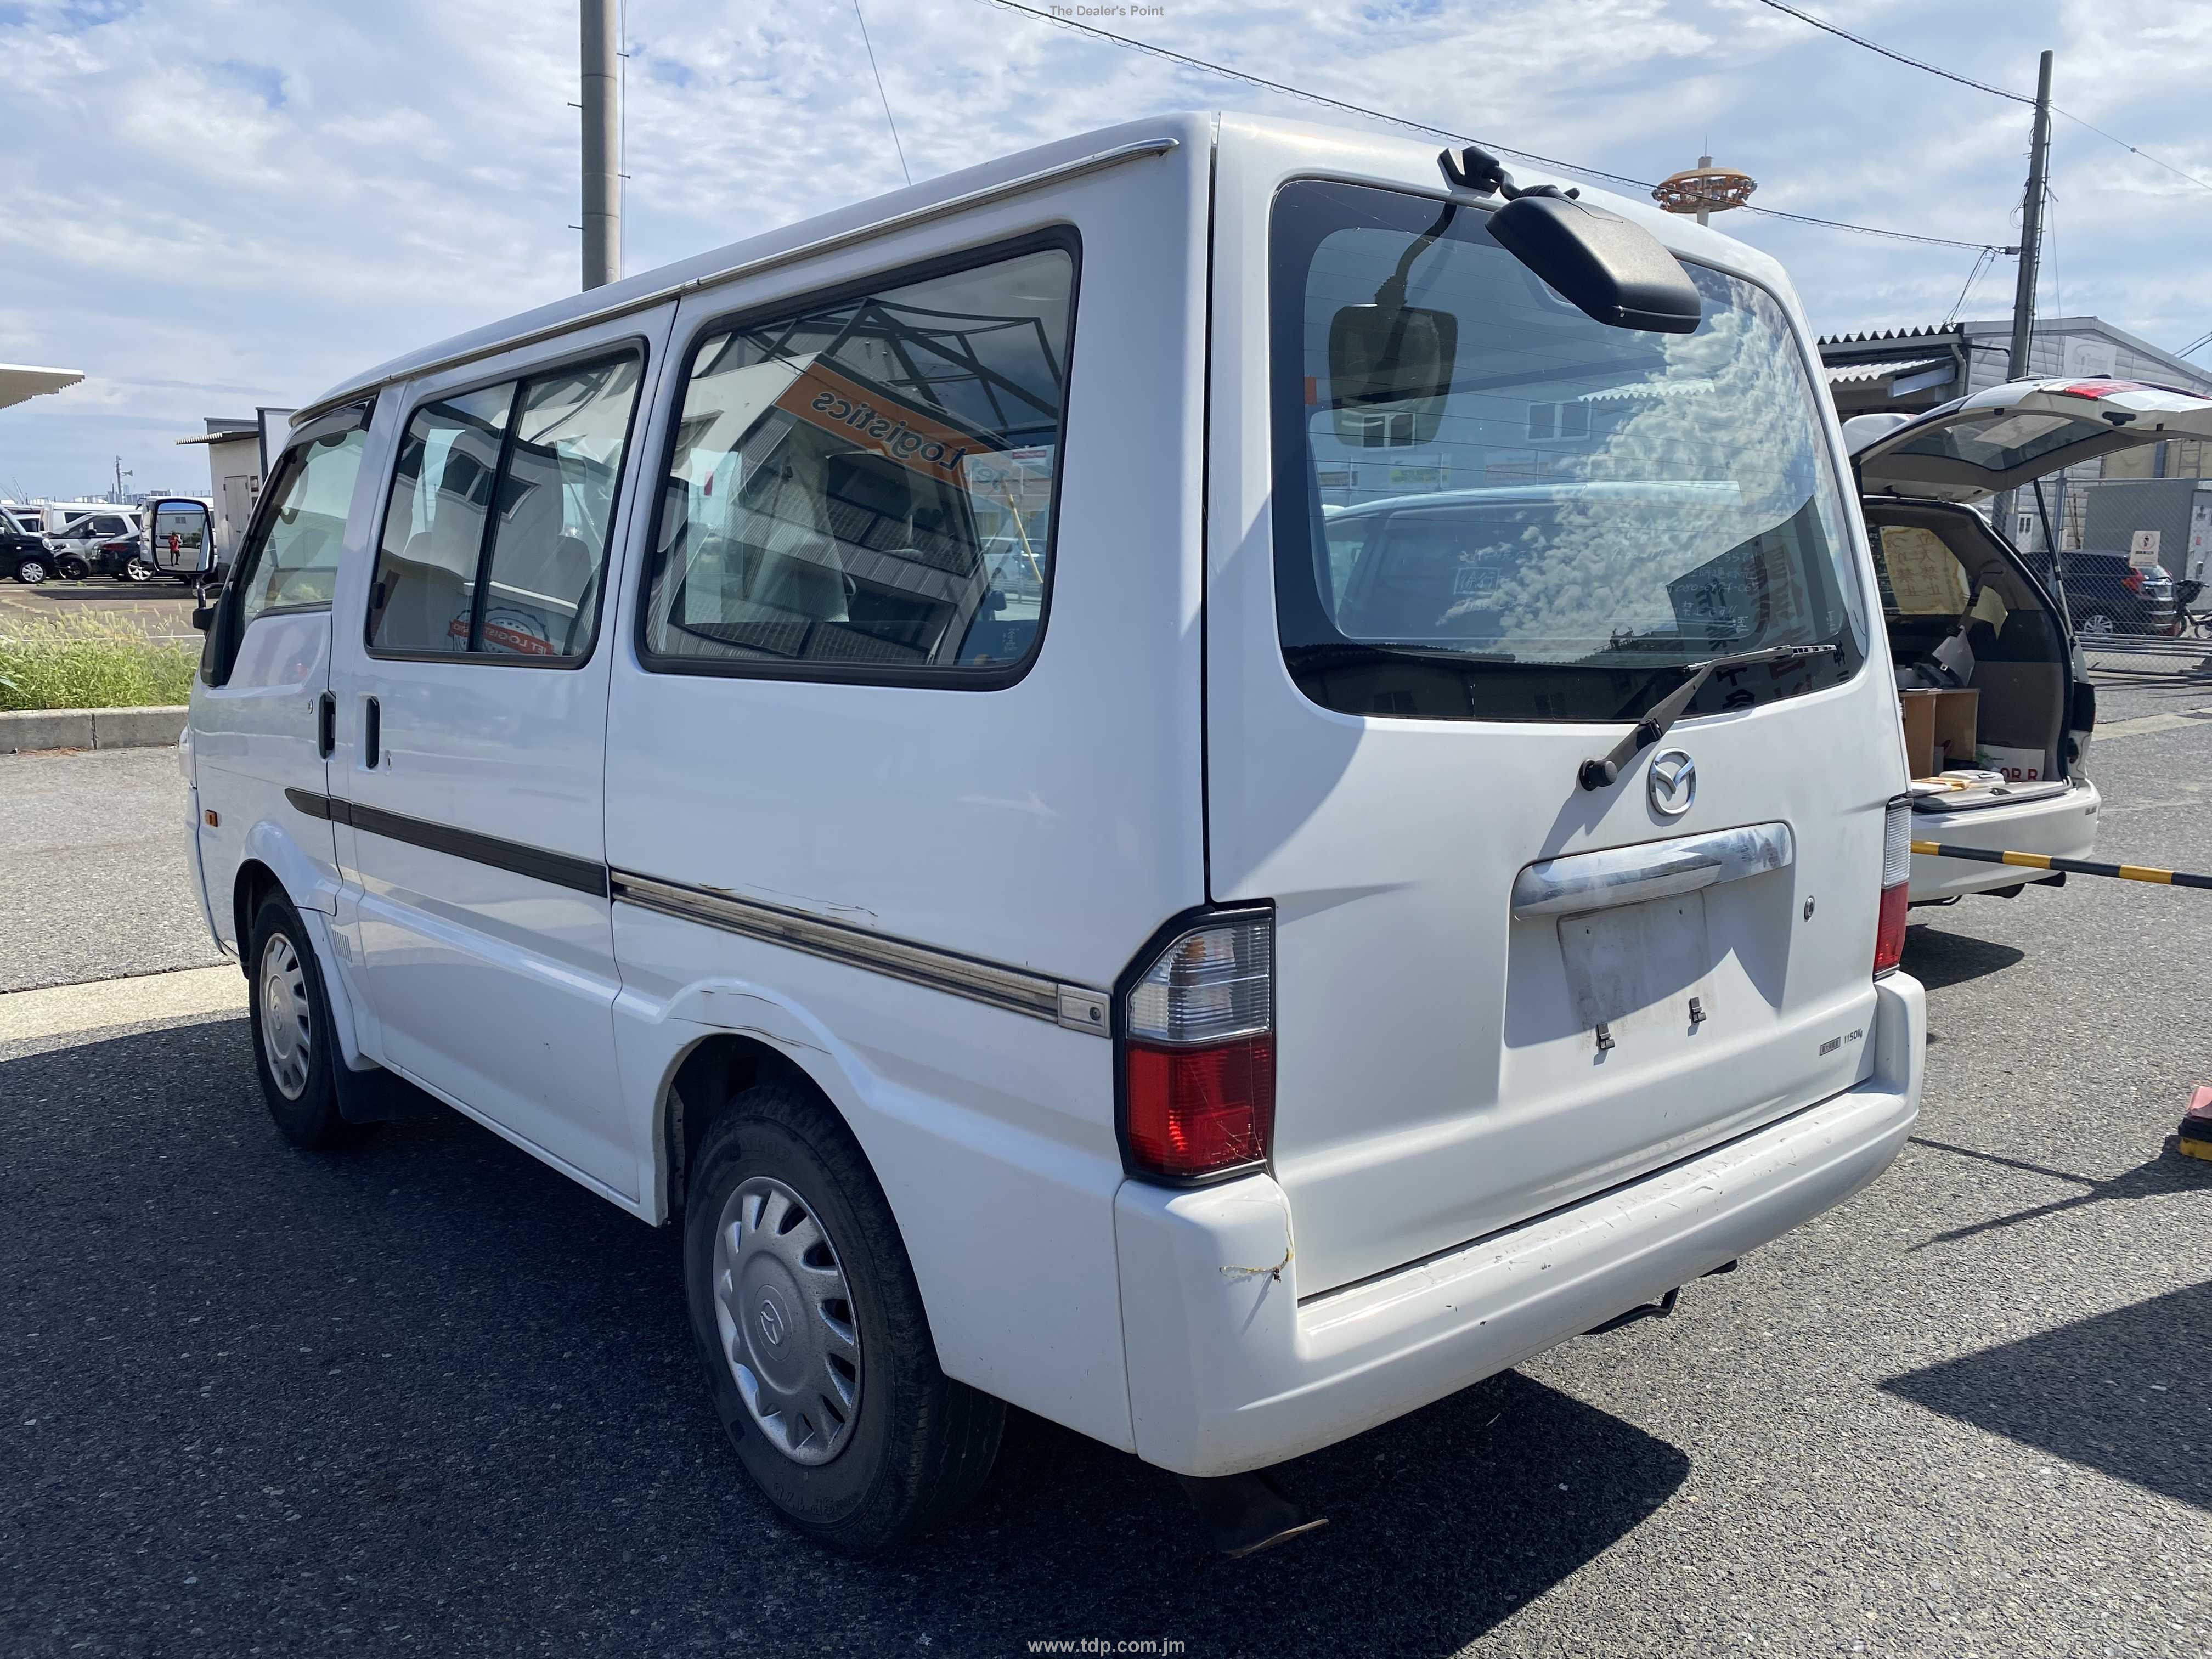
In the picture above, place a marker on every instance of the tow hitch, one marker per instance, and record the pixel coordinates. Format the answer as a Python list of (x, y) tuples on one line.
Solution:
[(1663, 1308)]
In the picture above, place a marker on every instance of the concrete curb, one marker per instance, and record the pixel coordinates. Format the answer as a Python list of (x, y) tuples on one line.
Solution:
[(90, 728)]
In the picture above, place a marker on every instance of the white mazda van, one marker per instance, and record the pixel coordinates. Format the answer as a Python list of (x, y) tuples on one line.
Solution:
[(1212, 780)]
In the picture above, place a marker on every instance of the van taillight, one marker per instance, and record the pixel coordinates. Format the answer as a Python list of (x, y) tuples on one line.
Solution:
[(1896, 882), (1196, 1036)]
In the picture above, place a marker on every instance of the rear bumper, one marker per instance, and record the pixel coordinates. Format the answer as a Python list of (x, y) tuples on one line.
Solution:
[(2064, 826), (1229, 1372)]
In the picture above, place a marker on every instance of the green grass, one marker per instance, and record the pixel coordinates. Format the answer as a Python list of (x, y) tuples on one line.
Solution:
[(90, 662)]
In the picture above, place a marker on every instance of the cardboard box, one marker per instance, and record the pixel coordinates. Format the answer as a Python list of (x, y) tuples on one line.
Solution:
[(1939, 729)]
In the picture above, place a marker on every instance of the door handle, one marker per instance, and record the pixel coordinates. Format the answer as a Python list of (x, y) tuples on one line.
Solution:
[(372, 731), (326, 724)]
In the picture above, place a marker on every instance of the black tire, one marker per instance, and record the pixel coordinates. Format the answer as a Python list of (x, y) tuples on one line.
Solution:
[(302, 1098), (919, 1445), (71, 568), (31, 572)]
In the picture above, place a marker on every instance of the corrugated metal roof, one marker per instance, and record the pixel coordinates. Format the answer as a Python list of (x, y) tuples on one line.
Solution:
[(1917, 331), (1860, 373)]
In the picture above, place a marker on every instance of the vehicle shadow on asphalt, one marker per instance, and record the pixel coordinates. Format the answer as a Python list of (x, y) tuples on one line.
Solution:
[(2168, 1172), (1937, 958), (429, 1388), (2125, 1393)]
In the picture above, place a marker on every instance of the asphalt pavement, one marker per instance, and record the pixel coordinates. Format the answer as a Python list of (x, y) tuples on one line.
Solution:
[(427, 1397), (94, 880)]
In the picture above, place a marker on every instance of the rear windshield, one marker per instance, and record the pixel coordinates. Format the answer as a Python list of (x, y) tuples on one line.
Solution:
[(1571, 513)]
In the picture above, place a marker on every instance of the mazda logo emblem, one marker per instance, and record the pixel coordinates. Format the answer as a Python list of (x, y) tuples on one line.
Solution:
[(771, 1324), (1672, 783)]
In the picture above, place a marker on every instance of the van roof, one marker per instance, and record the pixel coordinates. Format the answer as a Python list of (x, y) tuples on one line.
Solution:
[(1325, 149)]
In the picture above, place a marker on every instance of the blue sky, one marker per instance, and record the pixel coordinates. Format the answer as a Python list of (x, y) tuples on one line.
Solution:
[(213, 203)]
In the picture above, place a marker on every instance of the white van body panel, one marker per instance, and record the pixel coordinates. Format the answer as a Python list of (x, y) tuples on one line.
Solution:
[(1048, 826), (453, 949), (252, 739), (1002, 1178), (1389, 846)]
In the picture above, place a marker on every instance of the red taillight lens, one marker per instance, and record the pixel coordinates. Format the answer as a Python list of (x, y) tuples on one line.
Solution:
[(1192, 1111), (1896, 884), (2133, 581), (1197, 1036)]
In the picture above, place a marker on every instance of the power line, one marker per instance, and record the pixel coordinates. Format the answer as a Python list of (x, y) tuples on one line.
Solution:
[(1327, 102), (1827, 27), (2197, 344), (881, 94), (1986, 256), (2201, 184), (1894, 57)]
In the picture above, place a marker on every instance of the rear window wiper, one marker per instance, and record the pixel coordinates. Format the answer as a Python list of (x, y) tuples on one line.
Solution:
[(1600, 770)]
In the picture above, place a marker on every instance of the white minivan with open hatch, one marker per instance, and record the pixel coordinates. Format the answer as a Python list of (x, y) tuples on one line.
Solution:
[(1999, 705), (1212, 780)]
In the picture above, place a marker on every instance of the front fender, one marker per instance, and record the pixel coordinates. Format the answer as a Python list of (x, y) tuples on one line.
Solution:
[(308, 882)]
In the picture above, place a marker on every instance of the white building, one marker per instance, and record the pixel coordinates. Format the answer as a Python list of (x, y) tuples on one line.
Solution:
[(233, 452)]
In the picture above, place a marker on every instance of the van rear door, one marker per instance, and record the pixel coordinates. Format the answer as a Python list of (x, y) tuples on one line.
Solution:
[(1498, 991)]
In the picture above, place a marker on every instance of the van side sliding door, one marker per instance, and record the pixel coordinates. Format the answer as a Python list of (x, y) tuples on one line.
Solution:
[(472, 684)]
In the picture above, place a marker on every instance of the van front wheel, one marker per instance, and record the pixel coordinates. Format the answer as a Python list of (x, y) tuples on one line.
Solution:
[(810, 1326), (291, 1020)]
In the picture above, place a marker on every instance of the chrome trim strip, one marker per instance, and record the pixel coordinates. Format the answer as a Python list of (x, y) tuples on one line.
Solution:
[(1077, 1007), (1652, 869), (821, 245)]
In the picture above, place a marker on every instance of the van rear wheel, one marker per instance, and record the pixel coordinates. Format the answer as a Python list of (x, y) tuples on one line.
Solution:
[(290, 1015), (810, 1326)]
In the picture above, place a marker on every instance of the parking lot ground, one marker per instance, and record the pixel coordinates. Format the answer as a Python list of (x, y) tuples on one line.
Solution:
[(94, 883), (427, 1397), (160, 607)]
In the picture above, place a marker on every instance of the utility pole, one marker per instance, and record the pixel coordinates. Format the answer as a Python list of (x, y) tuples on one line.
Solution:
[(602, 106), (2031, 226), (2031, 246)]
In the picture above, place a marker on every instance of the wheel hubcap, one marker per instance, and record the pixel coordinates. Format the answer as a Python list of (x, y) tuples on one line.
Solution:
[(287, 1035), (785, 1314), (32, 571)]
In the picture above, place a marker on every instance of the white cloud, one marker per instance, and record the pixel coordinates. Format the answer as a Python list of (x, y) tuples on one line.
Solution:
[(234, 201)]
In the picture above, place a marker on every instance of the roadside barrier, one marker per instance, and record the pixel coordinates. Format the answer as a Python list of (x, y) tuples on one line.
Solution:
[(2071, 866)]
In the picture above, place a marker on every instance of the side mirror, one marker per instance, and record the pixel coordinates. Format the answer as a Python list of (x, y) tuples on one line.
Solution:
[(203, 617), (1616, 272), (1389, 370)]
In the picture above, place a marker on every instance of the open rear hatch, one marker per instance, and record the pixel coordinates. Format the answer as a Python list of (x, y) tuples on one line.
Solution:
[(1982, 640), (2014, 434)]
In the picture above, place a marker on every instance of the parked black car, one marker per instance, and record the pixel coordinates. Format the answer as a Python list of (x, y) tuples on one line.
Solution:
[(2107, 595), (26, 558)]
